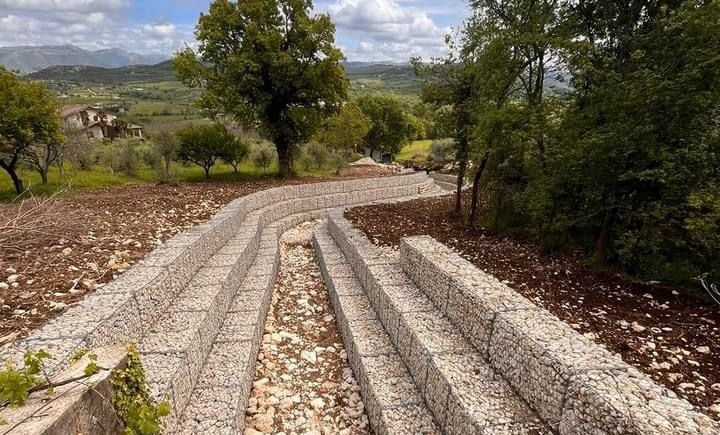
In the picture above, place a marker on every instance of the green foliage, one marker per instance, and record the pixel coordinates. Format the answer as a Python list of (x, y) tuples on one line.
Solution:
[(442, 151), (235, 152), (132, 401), (346, 130), (28, 115), (263, 155), (624, 164), (16, 384), (388, 131), (314, 153), (203, 145), (269, 63)]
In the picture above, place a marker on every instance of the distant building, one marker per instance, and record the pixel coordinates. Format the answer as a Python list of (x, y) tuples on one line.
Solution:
[(98, 122)]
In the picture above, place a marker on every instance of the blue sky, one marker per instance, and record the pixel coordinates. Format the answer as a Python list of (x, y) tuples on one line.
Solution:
[(367, 30)]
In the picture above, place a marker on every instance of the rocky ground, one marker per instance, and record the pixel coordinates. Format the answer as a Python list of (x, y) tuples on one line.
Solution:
[(303, 383), (52, 256), (669, 333)]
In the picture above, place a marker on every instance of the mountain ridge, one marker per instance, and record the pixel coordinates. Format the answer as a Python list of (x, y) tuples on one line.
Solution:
[(29, 58)]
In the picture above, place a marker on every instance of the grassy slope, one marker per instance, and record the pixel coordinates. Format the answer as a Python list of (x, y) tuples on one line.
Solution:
[(98, 177), (416, 151)]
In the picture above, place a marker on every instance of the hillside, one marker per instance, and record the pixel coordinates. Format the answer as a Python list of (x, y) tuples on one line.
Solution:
[(27, 59), (365, 77), (77, 74)]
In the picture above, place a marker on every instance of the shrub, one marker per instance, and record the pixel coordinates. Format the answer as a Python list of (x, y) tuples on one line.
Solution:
[(442, 151), (314, 153), (263, 155)]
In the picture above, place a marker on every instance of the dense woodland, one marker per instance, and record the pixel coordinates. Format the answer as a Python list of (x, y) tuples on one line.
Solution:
[(625, 164)]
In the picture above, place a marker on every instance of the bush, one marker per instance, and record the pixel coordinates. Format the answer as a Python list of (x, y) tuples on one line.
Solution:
[(313, 153), (339, 159), (442, 151), (128, 157), (263, 155)]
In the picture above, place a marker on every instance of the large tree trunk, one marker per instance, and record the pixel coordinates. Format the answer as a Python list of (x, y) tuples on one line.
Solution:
[(10, 169), (207, 172), (284, 157), (476, 188), (44, 175)]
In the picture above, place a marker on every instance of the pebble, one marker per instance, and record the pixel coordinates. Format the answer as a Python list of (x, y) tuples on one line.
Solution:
[(303, 378)]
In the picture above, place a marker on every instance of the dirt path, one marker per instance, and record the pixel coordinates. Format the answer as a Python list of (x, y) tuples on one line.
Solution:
[(303, 383)]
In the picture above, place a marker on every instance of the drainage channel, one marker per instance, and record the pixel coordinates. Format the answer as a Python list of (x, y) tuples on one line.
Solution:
[(303, 383)]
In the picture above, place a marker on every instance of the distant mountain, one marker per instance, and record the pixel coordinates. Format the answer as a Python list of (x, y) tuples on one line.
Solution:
[(364, 76), (80, 75), (27, 59)]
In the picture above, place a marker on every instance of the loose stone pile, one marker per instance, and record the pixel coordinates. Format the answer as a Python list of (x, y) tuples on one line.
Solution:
[(303, 384)]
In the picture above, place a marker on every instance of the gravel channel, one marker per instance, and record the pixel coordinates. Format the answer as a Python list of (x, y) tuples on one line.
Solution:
[(303, 384)]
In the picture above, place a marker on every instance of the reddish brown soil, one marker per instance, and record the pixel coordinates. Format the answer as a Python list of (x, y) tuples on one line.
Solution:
[(99, 234), (673, 336)]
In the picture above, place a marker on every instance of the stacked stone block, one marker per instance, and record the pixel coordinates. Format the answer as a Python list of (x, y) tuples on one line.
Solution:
[(392, 401), (175, 303), (575, 385), (461, 389)]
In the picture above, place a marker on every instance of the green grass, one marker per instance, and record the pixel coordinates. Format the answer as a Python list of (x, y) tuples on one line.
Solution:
[(76, 181), (415, 151)]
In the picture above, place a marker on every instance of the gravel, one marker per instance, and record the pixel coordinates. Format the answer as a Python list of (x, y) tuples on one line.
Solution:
[(303, 382)]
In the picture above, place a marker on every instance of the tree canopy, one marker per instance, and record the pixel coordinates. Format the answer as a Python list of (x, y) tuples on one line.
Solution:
[(28, 116), (624, 162), (388, 130), (271, 64), (204, 145)]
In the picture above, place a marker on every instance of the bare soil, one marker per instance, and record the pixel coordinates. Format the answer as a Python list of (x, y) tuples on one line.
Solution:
[(668, 333), (97, 235)]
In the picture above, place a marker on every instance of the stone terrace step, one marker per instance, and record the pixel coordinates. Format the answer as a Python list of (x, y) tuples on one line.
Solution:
[(574, 384), (392, 402), (176, 302), (128, 308), (465, 394), (218, 401)]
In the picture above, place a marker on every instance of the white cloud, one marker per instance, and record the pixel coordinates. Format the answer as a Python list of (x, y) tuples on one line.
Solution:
[(159, 30), (63, 5), (387, 30), (90, 24)]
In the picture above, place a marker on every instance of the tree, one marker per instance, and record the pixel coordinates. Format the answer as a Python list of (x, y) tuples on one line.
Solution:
[(77, 149), (388, 129), (346, 130), (642, 144), (269, 63), (263, 155), (448, 86), (203, 145), (235, 152), (166, 146), (41, 156), (28, 115)]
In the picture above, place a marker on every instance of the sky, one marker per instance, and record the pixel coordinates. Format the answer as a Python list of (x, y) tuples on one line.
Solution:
[(367, 30)]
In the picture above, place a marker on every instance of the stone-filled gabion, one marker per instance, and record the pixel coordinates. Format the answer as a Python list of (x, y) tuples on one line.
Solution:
[(463, 392), (175, 302), (575, 385), (392, 401)]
